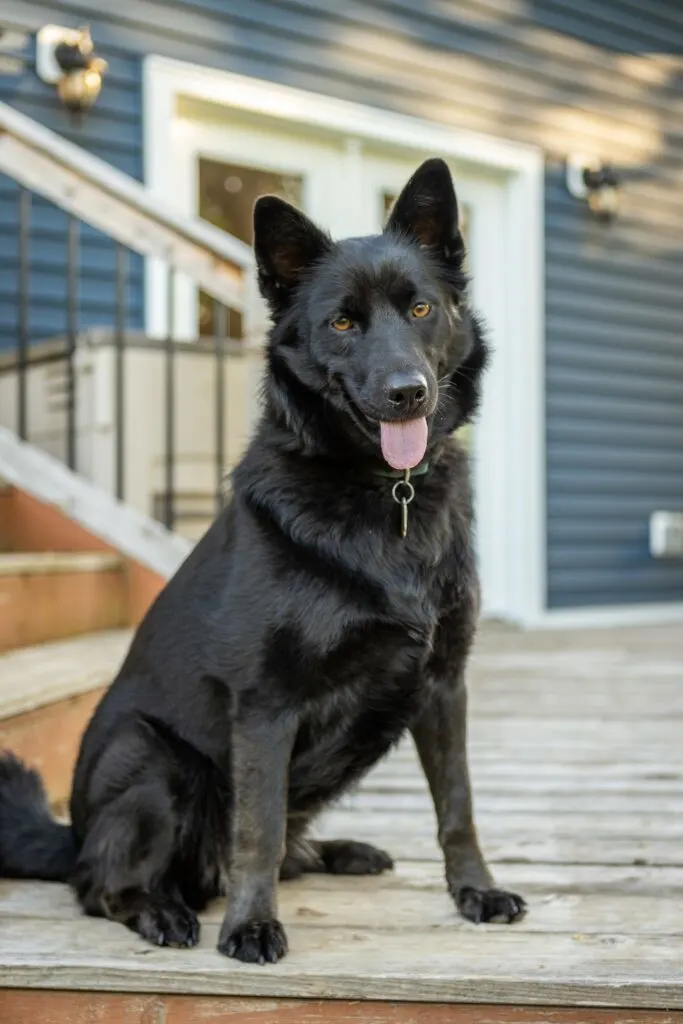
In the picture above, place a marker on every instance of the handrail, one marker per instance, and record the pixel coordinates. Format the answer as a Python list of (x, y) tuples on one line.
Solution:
[(120, 206)]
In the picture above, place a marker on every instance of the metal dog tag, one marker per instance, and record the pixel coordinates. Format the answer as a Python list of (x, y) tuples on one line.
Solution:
[(403, 493)]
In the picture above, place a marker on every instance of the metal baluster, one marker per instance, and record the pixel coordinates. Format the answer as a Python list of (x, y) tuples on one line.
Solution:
[(71, 339), (169, 510), (22, 337), (220, 333), (119, 380)]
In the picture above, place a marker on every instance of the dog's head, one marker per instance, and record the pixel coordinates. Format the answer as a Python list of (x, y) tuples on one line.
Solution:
[(373, 347)]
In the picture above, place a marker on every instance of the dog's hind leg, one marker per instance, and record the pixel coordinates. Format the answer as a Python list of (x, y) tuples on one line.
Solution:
[(129, 823), (123, 867)]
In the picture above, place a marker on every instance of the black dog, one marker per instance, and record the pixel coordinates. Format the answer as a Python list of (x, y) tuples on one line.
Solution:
[(322, 615)]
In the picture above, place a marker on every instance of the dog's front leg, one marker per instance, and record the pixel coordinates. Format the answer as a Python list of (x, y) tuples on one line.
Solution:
[(261, 750), (440, 735)]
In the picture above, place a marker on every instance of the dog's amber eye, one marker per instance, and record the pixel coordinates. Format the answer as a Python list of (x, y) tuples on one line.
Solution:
[(342, 323), (421, 309)]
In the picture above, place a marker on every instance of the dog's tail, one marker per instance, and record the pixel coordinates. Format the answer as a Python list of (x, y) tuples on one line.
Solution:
[(32, 843)]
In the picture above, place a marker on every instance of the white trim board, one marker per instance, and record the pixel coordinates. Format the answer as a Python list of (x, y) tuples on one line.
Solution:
[(129, 531), (510, 462)]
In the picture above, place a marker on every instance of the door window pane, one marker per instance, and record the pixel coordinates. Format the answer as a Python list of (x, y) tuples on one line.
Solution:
[(227, 193)]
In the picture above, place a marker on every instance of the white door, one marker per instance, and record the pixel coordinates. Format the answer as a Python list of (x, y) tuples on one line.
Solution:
[(346, 186)]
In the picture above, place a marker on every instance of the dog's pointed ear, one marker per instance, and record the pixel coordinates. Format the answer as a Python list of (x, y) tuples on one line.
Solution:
[(286, 243), (427, 209)]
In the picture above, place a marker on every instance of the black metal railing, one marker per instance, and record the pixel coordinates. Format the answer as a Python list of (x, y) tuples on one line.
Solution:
[(119, 378), (170, 401), (29, 356), (22, 327), (220, 320), (71, 338)]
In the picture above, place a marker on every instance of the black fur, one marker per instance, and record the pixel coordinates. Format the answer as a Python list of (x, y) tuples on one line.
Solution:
[(32, 843), (303, 636)]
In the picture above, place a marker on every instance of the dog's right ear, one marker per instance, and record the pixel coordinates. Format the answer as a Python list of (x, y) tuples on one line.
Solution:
[(427, 210), (286, 244)]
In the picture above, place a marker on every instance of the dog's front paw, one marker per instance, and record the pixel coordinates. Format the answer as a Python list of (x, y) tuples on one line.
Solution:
[(490, 906), (255, 942)]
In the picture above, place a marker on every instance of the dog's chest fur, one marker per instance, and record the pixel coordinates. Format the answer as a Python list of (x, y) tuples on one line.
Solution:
[(356, 631), (369, 690), (357, 688)]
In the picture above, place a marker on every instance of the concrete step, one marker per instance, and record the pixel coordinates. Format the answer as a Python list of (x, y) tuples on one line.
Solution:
[(51, 595), (47, 695)]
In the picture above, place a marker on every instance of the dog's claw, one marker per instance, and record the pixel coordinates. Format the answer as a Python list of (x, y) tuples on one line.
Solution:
[(490, 906)]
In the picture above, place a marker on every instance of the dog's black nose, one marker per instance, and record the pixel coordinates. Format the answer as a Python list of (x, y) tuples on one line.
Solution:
[(407, 392)]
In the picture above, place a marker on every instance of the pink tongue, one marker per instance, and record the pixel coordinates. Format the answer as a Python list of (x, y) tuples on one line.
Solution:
[(404, 444)]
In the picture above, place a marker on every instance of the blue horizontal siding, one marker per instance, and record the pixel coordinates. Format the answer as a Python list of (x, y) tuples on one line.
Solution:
[(614, 401), (626, 27), (614, 294)]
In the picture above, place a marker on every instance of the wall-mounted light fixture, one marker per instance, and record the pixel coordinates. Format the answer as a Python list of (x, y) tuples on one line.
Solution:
[(596, 183), (66, 57)]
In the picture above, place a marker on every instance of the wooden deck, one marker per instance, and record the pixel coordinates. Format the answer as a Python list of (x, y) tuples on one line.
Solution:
[(577, 759)]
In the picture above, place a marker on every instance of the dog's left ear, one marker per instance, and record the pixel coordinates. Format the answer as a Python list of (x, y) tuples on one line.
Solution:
[(286, 243), (427, 209)]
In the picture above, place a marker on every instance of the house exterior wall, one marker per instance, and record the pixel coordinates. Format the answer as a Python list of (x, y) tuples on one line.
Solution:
[(600, 77)]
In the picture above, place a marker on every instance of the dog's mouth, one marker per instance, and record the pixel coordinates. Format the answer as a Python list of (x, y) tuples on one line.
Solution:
[(403, 442)]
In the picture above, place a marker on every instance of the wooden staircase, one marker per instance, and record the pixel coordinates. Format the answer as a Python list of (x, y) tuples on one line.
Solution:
[(67, 602)]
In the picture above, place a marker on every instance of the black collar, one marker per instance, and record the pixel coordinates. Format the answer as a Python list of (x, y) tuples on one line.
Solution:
[(399, 474)]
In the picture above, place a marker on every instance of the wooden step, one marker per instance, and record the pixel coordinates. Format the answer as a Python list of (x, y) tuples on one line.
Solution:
[(51, 595), (30, 525), (47, 695)]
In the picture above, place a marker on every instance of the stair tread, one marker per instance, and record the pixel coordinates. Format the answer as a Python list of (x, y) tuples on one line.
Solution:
[(38, 563), (44, 673)]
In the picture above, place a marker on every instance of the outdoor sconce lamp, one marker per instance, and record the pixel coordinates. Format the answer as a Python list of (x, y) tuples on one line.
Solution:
[(595, 183), (66, 58)]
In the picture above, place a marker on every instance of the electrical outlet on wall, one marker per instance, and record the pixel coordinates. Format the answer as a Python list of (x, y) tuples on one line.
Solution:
[(666, 534)]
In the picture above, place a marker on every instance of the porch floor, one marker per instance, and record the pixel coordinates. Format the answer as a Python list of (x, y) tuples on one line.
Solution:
[(577, 763)]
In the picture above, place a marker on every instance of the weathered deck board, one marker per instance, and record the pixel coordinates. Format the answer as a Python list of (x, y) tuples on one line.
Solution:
[(578, 772), (415, 894), (511, 966)]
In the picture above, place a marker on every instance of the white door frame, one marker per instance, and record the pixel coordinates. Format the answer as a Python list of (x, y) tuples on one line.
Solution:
[(510, 436)]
